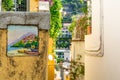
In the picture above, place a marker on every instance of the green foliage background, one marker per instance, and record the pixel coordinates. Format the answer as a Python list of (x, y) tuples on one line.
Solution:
[(72, 8)]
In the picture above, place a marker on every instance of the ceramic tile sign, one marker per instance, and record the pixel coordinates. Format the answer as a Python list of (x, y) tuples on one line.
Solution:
[(22, 40)]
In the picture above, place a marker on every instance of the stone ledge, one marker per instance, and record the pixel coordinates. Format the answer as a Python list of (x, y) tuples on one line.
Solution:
[(41, 19)]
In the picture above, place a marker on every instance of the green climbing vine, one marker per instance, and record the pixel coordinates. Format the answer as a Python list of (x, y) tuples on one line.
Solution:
[(56, 19)]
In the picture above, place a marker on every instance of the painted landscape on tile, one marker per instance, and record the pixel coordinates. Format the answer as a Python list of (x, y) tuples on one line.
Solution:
[(22, 40)]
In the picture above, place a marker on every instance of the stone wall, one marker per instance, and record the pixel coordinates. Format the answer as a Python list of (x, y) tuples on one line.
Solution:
[(23, 68)]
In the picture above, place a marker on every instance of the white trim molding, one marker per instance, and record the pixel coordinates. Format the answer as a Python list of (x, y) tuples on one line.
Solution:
[(94, 43)]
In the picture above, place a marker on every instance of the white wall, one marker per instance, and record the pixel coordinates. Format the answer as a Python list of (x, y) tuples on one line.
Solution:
[(77, 48), (108, 66)]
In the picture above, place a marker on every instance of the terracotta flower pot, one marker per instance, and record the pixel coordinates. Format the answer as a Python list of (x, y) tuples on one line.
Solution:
[(89, 30)]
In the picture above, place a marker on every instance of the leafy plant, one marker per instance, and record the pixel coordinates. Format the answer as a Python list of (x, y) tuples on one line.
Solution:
[(72, 26), (56, 19), (76, 69), (7, 5), (59, 60), (82, 22)]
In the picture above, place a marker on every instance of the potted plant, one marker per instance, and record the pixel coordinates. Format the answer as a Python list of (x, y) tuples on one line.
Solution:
[(76, 69), (83, 23), (86, 19)]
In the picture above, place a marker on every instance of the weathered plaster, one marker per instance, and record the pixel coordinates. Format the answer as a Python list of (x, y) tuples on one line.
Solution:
[(29, 67), (23, 68)]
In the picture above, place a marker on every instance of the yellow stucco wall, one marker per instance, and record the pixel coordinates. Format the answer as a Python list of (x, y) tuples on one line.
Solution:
[(51, 67), (34, 5), (23, 68), (50, 46), (51, 64)]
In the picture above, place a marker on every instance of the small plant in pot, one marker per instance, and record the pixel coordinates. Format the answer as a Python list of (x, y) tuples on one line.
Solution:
[(76, 69), (86, 10)]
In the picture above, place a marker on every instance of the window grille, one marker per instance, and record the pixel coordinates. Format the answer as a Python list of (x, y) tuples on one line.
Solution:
[(15, 5), (20, 5)]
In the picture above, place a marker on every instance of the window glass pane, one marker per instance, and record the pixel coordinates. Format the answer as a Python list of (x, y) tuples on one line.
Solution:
[(21, 5)]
